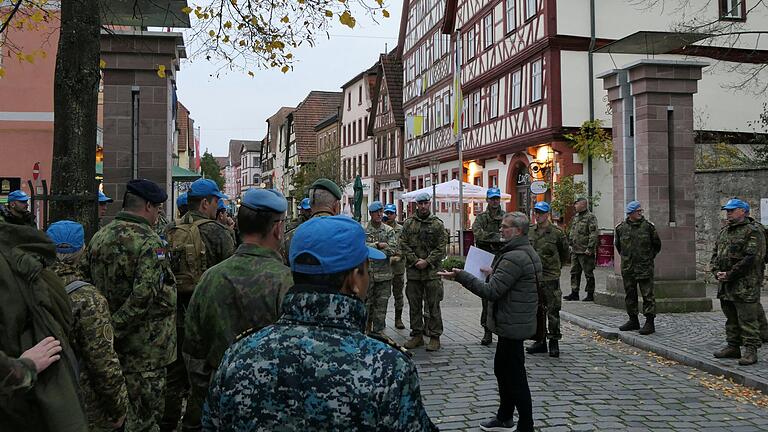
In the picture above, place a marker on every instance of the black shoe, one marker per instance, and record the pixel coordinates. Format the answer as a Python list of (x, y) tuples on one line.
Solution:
[(632, 324), (649, 327), (495, 425), (537, 347), (572, 296), (487, 338), (554, 348), (589, 297)]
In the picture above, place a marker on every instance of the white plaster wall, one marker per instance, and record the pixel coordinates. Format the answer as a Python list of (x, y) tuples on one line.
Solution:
[(602, 182)]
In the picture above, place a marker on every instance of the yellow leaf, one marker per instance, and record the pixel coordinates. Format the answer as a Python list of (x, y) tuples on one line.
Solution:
[(228, 25), (211, 33), (161, 71), (289, 56), (347, 19), (2, 72), (37, 16), (30, 58), (385, 13), (234, 2), (226, 39), (241, 43), (250, 73), (380, 2), (187, 10), (285, 19), (328, 13), (102, 64), (284, 69), (302, 1)]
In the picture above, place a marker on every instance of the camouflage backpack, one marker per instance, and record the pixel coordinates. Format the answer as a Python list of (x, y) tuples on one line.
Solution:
[(187, 251)]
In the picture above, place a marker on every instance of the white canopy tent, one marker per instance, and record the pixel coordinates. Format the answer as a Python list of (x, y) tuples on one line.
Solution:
[(449, 192)]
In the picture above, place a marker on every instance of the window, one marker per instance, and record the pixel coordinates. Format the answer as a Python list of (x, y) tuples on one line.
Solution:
[(391, 139), (354, 167), (439, 111), (530, 8), (494, 109), (536, 80), (360, 133), (465, 114), (349, 101), (385, 103), (360, 95), (511, 16), (446, 108), (256, 179), (470, 44), (255, 161), (360, 164), (476, 108), (488, 30), (365, 165), (354, 132), (732, 9)]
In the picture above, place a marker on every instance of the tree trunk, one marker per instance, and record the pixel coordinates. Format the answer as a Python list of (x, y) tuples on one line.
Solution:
[(75, 104)]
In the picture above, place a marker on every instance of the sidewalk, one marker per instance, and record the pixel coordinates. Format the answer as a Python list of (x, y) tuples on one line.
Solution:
[(689, 338)]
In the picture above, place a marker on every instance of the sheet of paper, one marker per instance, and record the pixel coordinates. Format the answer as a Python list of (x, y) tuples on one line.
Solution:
[(477, 258), (764, 211)]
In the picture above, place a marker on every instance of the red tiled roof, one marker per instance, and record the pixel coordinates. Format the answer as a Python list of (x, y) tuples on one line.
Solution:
[(392, 66), (222, 161), (317, 106)]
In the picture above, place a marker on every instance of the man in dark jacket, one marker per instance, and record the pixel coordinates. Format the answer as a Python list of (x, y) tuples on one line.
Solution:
[(513, 298)]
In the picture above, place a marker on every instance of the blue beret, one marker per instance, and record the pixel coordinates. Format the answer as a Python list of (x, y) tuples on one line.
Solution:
[(337, 242), (103, 198), (17, 195), (304, 205), (203, 188), (422, 197), (632, 207), (264, 199), (181, 200), (735, 203), (148, 190), (375, 206), (542, 206), (390, 208), (68, 236), (493, 193)]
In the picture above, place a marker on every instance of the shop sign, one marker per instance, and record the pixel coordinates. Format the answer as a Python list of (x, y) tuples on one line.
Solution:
[(539, 187)]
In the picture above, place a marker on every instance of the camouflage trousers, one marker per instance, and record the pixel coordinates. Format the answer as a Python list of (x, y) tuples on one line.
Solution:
[(146, 400), (177, 387), (553, 300), (742, 326), (646, 290), (376, 304), (398, 286), (582, 263), (425, 294)]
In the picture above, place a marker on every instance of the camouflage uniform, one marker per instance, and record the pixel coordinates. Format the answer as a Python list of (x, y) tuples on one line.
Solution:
[(638, 243), (763, 251), (398, 270), (27, 219), (380, 286), (286, 247), (161, 225), (552, 247), (101, 378), (582, 238), (488, 238), (16, 374), (294, 223), (315, 370), (243, 292), (424, 238), (737, 253), (126, 261)]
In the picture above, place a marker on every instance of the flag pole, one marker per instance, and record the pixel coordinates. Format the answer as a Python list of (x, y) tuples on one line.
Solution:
[(459, 99)]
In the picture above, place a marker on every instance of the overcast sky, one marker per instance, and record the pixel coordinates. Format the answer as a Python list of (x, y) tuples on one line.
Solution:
[(236, 106)]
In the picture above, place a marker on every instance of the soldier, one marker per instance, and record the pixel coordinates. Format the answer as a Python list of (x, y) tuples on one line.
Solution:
[(242, 293), (101, 379), (550, 244), (162, 224), (398, 265), (638, 243), (423, 244), (17, 210), (486, 232), (127, 262), (736, 263), (182, 205), (582, 238), (103, 201), (324, 200), (379, 236), (764, 252), (305, 212), (21, 374), (314, 369), (197, 242)]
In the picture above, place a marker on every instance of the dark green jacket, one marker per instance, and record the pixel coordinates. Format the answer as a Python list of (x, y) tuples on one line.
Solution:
[(423, 238), (582, 233), (486, 230), (552, 248), (638, 243), (737, 253)]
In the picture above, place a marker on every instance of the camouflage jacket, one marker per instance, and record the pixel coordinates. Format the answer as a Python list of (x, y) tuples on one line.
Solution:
[(582, 234), (552, 248), (16, 374), (486, 230), (126, 261), (241, 293), (763, 247), (286, 247), (219, 242), (27, 219), (638, 243), (381, 270), (423, 238), (294, 223), (161, 225), (396, 261), (315, 370), (101, 379), (737, 253)]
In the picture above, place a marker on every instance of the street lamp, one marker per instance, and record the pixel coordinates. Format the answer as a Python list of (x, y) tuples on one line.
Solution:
[(434, 169)]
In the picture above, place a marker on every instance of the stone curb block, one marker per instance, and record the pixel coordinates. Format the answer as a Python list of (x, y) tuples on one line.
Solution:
[(739, 376)]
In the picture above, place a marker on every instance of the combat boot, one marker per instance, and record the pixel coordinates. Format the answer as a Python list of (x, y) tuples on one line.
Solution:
[(728, 352), (537, 347), (434, 343), (554, 348), (589, 297), (399, 319), (414, 342), (572, 296), (749, 357), (487, 338), (632, 324), (649, 327)]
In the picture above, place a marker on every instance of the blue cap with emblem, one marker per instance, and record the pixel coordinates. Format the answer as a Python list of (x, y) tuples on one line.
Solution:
[(181, 200), (18, 195), (375, 206), (390, 208), (147, 189), (103, 198), (68, 236), (422, 197), (542, 206), (264, 199), (203, 188), (493, 193), (221, 205), (336, 242), (735, 203), (632, 207), (304, 205)]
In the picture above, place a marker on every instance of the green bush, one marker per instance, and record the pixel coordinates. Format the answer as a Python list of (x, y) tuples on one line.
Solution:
[(452, 262)]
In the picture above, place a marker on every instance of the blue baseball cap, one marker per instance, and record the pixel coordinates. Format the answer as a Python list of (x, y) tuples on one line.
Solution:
[(181, 200), (204, 188), (422, 197), (264, 199), (375, 206), (390, 208), (337, 242), (632, 207), (103, 198), (493, 193), (304, 204), (68, 236), (18, 195), (735, 203), (221, 205), (542, 206)]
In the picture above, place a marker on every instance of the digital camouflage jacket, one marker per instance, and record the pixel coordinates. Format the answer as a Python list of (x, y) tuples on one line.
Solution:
[(397, 261), (381, 270)]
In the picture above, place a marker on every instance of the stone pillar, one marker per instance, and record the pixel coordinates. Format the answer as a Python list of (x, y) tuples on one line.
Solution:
[(138, 109), (652, 103)]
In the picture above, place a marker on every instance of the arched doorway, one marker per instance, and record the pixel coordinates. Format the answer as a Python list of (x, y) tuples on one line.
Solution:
[(521, 188)]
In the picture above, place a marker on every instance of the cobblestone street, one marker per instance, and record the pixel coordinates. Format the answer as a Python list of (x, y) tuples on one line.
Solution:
[(596, 384)]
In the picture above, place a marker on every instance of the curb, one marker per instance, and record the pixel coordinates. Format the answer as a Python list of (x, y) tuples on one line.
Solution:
[(739, 376)]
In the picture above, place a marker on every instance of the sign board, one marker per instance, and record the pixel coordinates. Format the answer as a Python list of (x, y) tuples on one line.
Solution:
[(539, 187), (764, 211), (36, 171)]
